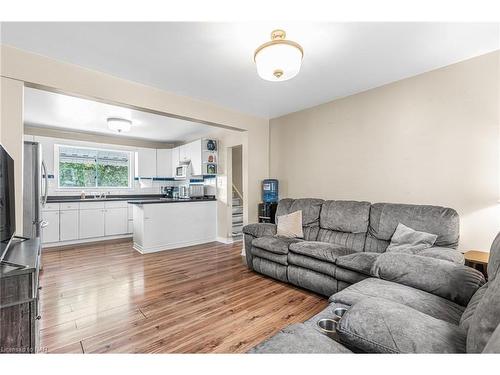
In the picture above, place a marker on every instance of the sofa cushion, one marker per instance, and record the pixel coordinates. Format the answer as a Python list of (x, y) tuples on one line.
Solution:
[(345, 216), (326, 252), (408, 240), (494, 261), (359, 262), (349, 276), (308, 279), (471, 307), (260, 229), (299, 338), (344, 223), (312, 264), (278, 258), (443, 253), (270, 268), (290, 225), (427, 303), (452, 281), (385, 217), (274, 244), (493, 345), (310, 208), (382, 326), (485, 319)]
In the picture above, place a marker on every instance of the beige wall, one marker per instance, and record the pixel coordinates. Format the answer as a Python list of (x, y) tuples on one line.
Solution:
[(39, 71), (11, 136), (429, 139)]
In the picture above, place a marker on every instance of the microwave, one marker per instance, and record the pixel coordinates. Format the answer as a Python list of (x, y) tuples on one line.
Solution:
[(182, 172)]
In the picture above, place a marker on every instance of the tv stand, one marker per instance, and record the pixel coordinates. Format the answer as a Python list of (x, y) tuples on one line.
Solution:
[(19, 297)]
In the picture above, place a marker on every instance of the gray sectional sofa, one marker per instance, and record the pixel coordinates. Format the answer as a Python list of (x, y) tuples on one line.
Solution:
[(396, 302), (342, 240)]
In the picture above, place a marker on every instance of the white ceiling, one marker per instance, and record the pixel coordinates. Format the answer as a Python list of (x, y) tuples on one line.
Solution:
[(57, 111), (214, 61)]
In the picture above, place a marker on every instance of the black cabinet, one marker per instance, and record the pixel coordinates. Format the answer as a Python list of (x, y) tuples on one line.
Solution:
[(19, 298), (267, 212)]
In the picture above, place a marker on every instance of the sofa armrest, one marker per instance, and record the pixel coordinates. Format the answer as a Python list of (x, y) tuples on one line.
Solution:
[(252, 231), (444, 253), (260, 229), (377, 325), (443, 278)]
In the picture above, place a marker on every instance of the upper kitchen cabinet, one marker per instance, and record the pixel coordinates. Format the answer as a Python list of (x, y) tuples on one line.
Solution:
[(202, 153), (145, 162), (164, 162), (184, 155), (175, 158), (194, 151)]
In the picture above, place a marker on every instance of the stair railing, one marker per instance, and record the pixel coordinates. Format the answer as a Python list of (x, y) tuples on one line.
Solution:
[(238, 192)]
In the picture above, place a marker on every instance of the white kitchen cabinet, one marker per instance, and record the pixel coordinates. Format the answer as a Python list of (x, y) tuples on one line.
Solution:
[(116, 221), (145, 162), (184, 153), (91, 223), (164, 162), (50, 233), (194, 151), (175, 159), (68, 225)]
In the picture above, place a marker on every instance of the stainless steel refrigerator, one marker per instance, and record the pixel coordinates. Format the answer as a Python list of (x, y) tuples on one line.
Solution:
[(35, 189)]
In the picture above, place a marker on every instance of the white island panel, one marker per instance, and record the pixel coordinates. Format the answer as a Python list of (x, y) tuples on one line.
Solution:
[(164, 226)]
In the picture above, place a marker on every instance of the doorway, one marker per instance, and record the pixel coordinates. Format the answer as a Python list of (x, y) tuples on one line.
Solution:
[(237, 193)]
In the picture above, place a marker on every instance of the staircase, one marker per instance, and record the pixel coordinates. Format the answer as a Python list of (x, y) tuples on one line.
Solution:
[(237, 216)]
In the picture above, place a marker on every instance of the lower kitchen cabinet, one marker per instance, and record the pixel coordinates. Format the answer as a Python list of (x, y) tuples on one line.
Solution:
[(51, 230), (91, 223), (76, 221), (116, 221), (68, 225)]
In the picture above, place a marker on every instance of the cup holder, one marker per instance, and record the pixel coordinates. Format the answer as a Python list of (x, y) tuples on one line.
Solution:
[(339, 312), (329, 326)]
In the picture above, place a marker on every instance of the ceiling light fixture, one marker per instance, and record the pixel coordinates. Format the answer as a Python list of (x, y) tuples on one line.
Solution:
[(119, 125), (279, 59)]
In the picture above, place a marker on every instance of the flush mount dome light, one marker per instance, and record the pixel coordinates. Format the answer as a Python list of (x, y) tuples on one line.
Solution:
[(119, 125), (279, 59)]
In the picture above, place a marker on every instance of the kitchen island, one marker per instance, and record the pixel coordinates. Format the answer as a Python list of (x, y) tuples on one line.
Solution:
[(163, 224)]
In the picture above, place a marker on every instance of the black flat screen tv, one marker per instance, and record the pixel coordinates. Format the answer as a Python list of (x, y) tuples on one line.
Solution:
[(7, 201)]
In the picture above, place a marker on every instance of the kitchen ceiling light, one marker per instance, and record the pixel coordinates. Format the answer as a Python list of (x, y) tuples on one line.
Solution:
[(119, 125), (279, 59)]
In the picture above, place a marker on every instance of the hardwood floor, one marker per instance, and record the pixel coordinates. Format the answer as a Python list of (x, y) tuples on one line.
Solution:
[(108, 298)]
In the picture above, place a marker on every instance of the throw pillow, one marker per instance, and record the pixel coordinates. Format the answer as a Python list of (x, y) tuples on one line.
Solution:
[(290, 225), (407, 240)]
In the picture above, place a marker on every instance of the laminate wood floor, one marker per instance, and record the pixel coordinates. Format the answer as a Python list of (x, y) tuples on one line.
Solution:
[(108, 298)]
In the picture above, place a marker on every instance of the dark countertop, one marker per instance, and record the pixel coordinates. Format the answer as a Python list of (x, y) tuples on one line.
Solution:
[(169, 200), (23, 253), (76, 198)]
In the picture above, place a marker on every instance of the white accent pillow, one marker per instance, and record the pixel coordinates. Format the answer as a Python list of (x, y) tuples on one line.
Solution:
[(407, 240), (290, 225)]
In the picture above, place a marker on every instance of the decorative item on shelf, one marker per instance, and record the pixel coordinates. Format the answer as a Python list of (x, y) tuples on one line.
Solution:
[(211, 158), (211, 145), (211, 169)]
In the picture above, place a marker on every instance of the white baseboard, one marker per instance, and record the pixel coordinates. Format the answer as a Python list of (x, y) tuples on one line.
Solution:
[(86, 240), (226, 240), (154, 249)]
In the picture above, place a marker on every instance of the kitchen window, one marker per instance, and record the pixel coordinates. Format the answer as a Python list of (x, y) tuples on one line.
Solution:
[(81, 167)]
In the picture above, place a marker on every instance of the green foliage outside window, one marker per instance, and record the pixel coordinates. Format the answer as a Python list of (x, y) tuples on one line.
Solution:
[(112, 175), (77, 169)]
